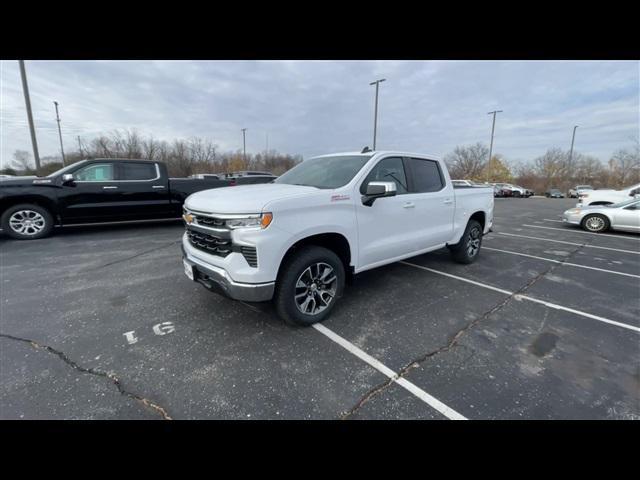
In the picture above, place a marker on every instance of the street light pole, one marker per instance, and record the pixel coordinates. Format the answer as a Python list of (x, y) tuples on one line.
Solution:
[(573, 137), (59, 133), (27, 101), (375, 115), (244, 146), (493, 127)]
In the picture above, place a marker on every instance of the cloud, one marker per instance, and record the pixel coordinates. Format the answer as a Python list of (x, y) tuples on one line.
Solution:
[(316, 107)]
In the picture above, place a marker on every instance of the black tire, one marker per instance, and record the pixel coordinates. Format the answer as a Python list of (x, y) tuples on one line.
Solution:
[(595, 223), (517, 194), (38, 222), (468, 248), (295, 269)]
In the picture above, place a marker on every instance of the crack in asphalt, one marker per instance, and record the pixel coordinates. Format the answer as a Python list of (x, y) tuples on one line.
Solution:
[(173, 242), (454, 340), (110, 376)]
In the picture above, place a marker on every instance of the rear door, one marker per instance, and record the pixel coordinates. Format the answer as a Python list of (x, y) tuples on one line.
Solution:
[(434, 201), (142, 191)]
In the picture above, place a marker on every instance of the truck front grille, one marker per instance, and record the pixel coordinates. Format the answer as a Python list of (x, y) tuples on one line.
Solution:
[(208, 221), (209, 243)]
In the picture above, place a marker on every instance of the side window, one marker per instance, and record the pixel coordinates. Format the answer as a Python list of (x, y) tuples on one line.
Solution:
[(97, 172), (138, 171), (426, 175), (387, 170)]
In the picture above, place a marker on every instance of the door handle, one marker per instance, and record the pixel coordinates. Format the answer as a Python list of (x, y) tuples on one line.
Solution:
[(448, 201), (158, 186), (110, 187), (409, 205)]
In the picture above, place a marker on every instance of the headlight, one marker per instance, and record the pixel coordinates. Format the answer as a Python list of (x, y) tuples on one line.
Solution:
[(257, 221), (573, 211)]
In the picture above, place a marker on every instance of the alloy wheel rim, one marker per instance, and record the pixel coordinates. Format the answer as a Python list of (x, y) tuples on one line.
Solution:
[(315, 288), (595, 223), (473, 244), (27, 222)]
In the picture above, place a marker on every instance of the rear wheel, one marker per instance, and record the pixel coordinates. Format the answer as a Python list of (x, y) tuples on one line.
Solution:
[(27, 222), (309, 285), (468, 248), (595, 223)]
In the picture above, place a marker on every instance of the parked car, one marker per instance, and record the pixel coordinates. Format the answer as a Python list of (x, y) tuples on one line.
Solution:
[(296, 240), (6, 176), (518, 191), (624, 216), (504, 189), (554, 193), (94, 191), (608, 197), (579, 189)]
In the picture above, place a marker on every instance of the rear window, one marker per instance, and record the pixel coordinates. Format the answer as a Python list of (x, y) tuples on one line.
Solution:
[(138, 171), (426, 175)]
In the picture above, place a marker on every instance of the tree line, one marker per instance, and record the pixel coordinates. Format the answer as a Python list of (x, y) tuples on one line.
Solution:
[(194, 155), (183, 157), (553, 169)]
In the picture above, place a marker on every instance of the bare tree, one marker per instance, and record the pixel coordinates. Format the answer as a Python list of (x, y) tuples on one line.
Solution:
[(22, 160), (467, 161), (625, 165)]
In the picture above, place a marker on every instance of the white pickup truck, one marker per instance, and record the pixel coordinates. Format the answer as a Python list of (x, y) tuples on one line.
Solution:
[(607, 196), (297, 239)]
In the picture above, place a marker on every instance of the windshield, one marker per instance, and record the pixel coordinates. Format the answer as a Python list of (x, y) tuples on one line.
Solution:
[(325, 172), (64, 169), (623, 204)]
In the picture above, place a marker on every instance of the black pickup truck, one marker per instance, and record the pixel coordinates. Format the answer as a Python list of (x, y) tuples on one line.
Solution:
[(95, 191)]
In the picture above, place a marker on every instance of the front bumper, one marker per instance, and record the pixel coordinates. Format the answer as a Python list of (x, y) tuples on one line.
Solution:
[(218, 280), (572, 219)]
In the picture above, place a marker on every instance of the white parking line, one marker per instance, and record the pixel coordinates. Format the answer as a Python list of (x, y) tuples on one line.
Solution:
[(569, 243), (549, 220), (584, 233), (403, 382), (569, 264), (526, 297)]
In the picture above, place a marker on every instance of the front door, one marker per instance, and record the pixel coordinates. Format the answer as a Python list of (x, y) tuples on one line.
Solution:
[(386, 229), (93, 196)]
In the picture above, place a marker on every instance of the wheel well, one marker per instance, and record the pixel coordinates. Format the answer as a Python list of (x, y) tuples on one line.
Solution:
[(41, 202), (479, 217), (335, 242)]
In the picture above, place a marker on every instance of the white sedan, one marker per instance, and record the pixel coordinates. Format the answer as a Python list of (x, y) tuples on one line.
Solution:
[(624, 216)]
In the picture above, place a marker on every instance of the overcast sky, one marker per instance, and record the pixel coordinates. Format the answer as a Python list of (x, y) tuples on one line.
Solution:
[(317, 107)]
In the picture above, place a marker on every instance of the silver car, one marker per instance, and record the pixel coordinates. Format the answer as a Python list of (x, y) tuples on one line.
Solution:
[(624, 216)]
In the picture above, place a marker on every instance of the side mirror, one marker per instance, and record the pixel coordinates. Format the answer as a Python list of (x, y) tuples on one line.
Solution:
[(67, 179), (378, 190), (634, 192)]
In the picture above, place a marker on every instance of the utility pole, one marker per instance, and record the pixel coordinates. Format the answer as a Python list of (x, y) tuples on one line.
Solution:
[(493, 127), (80, 147), (573, 137), (375, 115), (244, 146), (59, 132), (27, 101), (267, 145)]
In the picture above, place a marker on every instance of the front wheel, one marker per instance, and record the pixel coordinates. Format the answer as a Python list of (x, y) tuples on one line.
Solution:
[(595, 223), (468, 248), (27, 222), (309, 285)]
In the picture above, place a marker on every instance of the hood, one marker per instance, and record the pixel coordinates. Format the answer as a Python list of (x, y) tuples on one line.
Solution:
[(18, 181), (243, 198)]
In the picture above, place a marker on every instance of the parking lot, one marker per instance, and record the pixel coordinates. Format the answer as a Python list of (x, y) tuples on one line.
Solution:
[(102, 323)]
